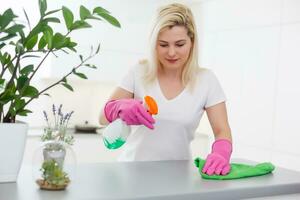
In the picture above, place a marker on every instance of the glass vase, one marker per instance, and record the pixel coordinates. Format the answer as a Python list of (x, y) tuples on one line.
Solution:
[(54, 165)]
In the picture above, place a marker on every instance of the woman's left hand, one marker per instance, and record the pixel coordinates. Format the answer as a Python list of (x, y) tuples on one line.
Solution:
[(217, 162)]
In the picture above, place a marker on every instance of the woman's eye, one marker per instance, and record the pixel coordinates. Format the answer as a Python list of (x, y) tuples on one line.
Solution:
[(179, 45), (163, 45)]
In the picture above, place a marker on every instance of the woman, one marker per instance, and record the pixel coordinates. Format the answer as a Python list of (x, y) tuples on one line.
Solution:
[(182, 90)]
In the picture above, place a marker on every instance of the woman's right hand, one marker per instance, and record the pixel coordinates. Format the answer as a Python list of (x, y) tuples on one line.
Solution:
[(131, 111)]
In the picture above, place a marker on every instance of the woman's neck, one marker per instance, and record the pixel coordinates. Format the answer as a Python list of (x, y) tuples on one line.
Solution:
[(171, 74)]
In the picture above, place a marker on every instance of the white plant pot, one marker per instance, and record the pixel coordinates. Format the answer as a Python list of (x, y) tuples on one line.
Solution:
[(12, 144)]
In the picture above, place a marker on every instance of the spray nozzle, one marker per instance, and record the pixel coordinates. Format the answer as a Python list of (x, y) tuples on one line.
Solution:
[(151, 105)]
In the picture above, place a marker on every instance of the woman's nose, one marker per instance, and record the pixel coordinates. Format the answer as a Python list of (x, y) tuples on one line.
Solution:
[(171, 51)]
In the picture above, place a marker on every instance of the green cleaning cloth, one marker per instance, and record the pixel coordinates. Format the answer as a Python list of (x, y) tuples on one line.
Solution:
[(238, 170)]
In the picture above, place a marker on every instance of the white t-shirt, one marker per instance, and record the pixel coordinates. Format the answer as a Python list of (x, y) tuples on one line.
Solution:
[(176, 121)]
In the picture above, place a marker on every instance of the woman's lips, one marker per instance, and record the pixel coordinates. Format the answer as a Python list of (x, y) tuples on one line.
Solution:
[(172, 60)]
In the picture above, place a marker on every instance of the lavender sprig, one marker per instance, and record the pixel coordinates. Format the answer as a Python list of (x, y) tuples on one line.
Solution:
[(59, 131), (54, 115), (59, 114), (46, 118), (69, 116)]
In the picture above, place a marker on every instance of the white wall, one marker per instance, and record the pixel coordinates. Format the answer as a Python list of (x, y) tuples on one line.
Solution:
[(254, 48)]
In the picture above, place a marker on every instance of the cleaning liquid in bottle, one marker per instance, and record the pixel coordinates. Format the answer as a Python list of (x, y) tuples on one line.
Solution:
[(116, 133)]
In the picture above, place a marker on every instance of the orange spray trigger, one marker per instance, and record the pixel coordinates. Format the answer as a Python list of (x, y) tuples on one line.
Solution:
[(151, 104)]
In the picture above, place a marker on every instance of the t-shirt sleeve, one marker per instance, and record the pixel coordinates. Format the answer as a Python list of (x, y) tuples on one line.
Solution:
[(215, 92), (127, 82)]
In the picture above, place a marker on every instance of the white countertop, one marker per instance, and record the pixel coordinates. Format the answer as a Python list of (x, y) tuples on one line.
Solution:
[(153, 180)]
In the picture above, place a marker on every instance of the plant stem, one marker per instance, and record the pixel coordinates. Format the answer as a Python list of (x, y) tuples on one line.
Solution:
[(15, 70), (5, 68), (59, 81), (39, 65), (8, 117)]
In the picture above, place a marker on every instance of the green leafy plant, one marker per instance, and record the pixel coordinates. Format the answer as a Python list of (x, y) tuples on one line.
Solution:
[(53, 176), (17, 45)]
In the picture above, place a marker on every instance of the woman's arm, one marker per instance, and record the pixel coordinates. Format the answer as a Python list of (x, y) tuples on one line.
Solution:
[(118, 93), (217, 116), (217, 162)]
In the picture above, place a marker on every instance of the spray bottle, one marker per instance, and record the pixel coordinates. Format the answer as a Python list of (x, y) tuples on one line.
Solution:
[(116, 133)]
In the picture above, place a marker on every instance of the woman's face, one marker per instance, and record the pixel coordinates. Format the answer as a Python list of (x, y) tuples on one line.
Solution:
[(173, 47)]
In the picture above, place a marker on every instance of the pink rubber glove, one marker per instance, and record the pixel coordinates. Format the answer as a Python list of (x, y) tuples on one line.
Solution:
[(131, 111), (217, 162)]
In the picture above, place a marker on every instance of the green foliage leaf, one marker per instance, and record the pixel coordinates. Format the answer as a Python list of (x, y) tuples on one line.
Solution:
[(32, 42), (68, 16), (7, 95), (98, 48), (84, 13), (2, 45), (27, 70), (70, 45), (7, 37), (100, 10), (81, 75), (91, 66), (19, 104), (42, 43), (6, 18), (69, 87), (23, 112), (40, 27), (105, 15), (5, 58), (11, 67), (14, 29), (73, 49), (19, 47), (79, 25), (52, 19), (58, 40), (46, 94), (21, 82), (2, 85), (25, 13), (30, 91), (2, 81), (81, 58), (52, 11), (43, 7), (12, 111), (48, 37), (31, 56)]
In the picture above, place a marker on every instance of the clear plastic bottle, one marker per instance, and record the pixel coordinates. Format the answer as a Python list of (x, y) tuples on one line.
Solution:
[(116, 133)]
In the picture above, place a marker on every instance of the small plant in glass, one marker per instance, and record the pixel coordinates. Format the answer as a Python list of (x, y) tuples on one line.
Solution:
[(54, 150), (53, 177)]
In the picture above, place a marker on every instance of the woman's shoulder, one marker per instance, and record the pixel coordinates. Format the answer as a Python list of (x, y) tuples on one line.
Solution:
[(139, 67), (205, 73), (206, 78)]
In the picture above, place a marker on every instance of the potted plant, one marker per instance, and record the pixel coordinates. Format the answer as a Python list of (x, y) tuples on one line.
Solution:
[(54, 150), (21, 43)]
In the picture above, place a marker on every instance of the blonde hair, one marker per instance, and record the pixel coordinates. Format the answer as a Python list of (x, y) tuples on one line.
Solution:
[(169, 16)]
